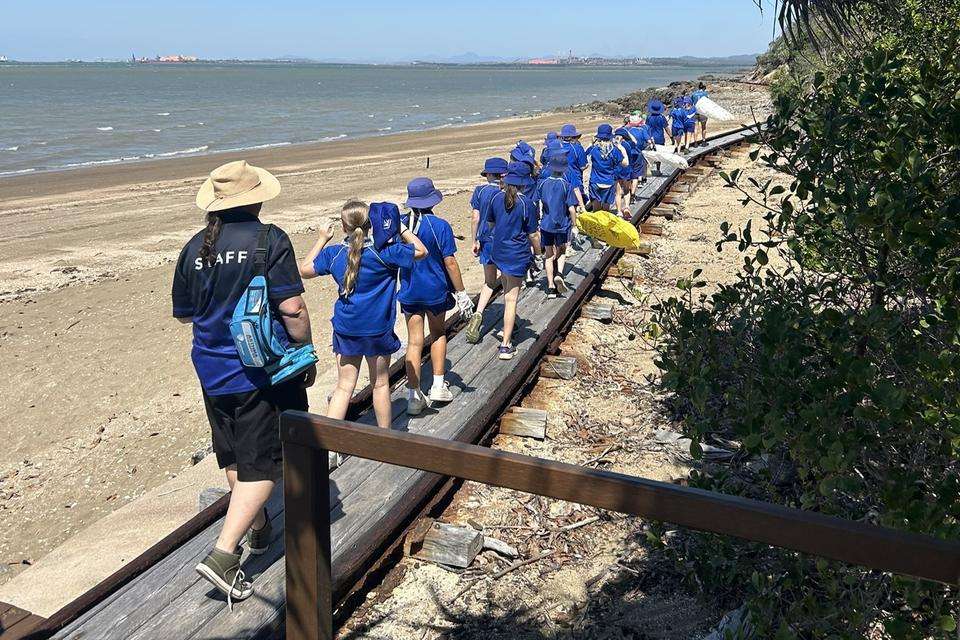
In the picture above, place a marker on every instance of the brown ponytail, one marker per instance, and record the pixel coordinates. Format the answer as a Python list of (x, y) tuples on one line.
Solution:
[(355, 216), (210, 235), (510, 196)]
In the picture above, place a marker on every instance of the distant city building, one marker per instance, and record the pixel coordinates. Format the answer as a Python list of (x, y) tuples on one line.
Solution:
[(544, 61), (167, 59)]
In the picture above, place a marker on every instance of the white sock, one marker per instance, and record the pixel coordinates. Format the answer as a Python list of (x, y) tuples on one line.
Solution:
[(438, 382)]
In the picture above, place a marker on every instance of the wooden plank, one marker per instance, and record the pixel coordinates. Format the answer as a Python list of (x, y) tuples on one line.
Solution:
[(663, 212), (451, 545), (644, 249), (672, 199), (10, 616), (850, 541), (527, 423), (559, 367), (601, 310), (651, 228), (413, 541)]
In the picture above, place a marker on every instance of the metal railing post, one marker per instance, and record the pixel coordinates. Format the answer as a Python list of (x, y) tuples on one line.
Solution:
[(306, 494)]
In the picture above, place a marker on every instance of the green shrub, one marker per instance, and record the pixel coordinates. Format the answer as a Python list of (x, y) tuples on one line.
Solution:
[(832, 360)]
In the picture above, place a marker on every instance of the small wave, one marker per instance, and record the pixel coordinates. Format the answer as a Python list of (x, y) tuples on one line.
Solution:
[(385, 129), (165, 113), (332, 138), (104, 128), (475, 113), (91, 163), (183, 151), (157, 130), (258, 146), (17, 148), (372, 115), (200, 123), (16, 173), (414, 106)]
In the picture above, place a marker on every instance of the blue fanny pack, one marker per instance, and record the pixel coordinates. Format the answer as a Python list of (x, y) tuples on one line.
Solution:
[(255, 332)]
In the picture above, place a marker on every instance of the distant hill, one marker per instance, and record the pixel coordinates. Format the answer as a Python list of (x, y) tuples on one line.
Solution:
[(743, 60)]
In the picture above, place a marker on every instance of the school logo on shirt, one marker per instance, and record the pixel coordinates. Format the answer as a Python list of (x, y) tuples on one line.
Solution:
[(387, 223)]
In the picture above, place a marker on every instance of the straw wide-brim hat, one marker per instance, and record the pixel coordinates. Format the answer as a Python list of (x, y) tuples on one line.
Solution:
[(237, 184)]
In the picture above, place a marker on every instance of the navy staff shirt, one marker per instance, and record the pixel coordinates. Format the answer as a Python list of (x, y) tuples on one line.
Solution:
[(208, 295)]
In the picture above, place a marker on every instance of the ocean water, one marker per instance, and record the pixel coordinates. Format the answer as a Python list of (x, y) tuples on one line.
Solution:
[(62, 116)]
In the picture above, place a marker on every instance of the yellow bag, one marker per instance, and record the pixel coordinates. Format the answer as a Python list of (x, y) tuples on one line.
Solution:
[(609, 228)]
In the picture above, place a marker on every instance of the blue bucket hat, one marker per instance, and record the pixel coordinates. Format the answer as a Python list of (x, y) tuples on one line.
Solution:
[(523, 152), (518, 175), (553, 149), (558, 161), (550, 138), (421, 194), (384, 223), (495, 166), (678, 101), (655, 106), (569, 131), (605, 132), (687, 100)]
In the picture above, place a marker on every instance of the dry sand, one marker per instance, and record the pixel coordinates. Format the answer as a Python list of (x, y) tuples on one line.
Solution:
[(599, 582), (100, 401)]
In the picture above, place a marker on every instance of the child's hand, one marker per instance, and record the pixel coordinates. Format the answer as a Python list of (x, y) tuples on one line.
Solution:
[(326, 230), (476, 248)]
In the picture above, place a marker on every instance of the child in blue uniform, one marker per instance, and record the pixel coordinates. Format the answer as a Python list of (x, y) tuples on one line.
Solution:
[(514, 221), (605, 156), (430, 289), (366, 309), (551, 137), (700, 119), (641, 133), (624, 174), (690, 125), (678, 126), (577, 157), (523, 152), (557, 201), (493, 170), (657, 124)]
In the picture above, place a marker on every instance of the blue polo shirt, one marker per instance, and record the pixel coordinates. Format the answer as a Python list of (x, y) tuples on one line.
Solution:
[(481, 198), (603, 169), (577, 157), (427, 282), (657, 123), (678, 119), (510, 250), (371, 310), (208, 295), (557, 196)]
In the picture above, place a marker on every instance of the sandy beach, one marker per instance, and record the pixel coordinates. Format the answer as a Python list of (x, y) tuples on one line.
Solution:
[(100, 401)]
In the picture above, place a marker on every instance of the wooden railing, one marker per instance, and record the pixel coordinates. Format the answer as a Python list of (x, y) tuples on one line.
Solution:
[(307, 438)]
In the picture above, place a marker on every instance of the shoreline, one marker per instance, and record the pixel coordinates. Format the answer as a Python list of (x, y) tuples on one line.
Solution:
[(115, 174)]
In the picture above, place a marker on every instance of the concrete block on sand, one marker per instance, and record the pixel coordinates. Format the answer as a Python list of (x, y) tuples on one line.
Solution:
[(94, 553)]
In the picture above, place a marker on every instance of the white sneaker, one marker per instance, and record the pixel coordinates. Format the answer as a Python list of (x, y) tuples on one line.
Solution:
[(561, 285), (334, 460), (416, 404), (441, 394)]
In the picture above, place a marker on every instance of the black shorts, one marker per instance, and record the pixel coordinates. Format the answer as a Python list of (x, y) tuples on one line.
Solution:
[(245, 428)]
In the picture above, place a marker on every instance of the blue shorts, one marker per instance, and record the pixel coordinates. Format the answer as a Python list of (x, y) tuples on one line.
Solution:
[(485, 257), (690, 127), (554, 238), (385, 344), (516, 265), (433, 309), (605, 195), (658, 137), (624, 173), (677, 133)]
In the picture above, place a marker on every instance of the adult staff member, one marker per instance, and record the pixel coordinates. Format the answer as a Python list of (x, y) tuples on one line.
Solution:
[(213, 271)]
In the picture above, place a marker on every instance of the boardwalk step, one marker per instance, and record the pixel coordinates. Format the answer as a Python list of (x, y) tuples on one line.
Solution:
[(559, 367), (528, 423)]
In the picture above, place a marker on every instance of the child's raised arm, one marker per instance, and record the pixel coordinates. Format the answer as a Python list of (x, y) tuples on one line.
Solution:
[(419, 250), (307, 270)]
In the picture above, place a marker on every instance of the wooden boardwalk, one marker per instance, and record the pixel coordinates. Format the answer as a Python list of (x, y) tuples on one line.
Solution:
[(369, 500)]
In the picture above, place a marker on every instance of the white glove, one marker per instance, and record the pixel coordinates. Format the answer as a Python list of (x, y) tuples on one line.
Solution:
[(464, 304)]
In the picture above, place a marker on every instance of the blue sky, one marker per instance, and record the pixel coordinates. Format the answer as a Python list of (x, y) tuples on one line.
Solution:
[(379, 30)]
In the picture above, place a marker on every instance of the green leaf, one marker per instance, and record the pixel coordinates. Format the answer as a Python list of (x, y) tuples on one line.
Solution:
[(948, 623)]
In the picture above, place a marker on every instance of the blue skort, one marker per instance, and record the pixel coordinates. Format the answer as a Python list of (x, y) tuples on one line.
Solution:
[(604, 195), (384, 344), (485, 257), (433, 309), (554, 239)]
